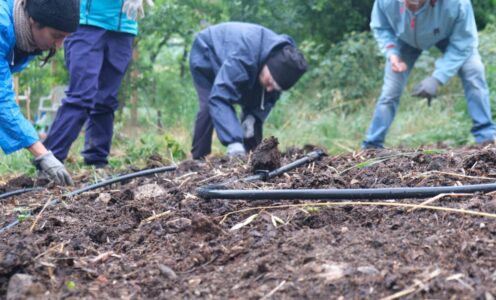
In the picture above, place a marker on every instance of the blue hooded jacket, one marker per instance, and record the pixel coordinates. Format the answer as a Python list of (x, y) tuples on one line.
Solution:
[(107, 14), (234, 54), (15, 131), (435, 21)]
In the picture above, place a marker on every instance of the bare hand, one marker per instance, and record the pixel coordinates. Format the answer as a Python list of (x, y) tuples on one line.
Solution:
[(397, 64)]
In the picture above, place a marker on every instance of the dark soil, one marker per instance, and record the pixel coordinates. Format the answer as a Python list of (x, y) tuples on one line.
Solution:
[(153, 237), (266, 157)]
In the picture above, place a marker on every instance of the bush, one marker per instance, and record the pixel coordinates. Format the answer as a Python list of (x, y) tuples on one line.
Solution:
[(351, 70)]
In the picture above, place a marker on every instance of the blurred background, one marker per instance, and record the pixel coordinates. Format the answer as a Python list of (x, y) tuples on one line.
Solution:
[(331, 105)]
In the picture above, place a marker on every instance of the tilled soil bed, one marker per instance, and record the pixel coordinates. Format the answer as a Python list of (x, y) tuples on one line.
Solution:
[(155, 238)]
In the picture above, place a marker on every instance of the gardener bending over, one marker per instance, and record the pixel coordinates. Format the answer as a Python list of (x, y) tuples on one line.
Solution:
[(27, 28), (243, 64), (403, 29)]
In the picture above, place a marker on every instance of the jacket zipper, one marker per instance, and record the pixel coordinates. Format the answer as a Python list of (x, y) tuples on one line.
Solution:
[(120, 17), (414, 26), (88, 7)]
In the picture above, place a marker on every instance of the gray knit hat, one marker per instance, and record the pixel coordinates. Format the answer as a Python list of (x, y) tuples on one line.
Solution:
[(62, 15)]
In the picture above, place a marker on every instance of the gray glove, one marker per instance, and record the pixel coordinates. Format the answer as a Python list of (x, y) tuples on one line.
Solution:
[(235, 149), (133, 9), (427, 88), (52, 167), (248, 127)]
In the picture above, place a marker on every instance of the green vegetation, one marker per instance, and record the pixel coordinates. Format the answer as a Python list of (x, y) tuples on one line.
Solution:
[(331, 106), (23, 213)]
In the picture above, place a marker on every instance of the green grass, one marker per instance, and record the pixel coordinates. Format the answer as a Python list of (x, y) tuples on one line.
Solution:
[(294, 123)]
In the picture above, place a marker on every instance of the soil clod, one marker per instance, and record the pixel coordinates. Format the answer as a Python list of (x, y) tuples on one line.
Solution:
[(266, 156)]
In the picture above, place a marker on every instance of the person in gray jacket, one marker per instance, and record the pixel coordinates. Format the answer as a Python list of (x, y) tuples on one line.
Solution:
[(244, 64), (403, 29)]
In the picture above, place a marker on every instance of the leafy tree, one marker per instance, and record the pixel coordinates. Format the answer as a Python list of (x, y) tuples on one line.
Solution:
[(159, 70), (322, 21), (485, 12)]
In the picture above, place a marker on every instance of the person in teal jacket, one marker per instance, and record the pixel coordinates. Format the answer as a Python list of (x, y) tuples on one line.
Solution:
[(403, 29), (27, 28), (97, 56)]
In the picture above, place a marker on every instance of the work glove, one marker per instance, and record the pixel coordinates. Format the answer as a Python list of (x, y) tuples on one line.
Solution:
[(134, 8), (235, 149), (53, 168), (427, 88), (248, 126)]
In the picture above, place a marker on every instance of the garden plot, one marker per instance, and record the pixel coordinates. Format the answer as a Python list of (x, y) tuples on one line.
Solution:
[(154, 237)]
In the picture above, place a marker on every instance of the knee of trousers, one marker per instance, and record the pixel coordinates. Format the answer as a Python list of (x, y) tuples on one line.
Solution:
[(390, 94), (389, 100)]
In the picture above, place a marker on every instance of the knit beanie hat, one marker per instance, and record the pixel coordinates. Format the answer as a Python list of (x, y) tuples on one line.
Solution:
[(286, 65), (62, 15)]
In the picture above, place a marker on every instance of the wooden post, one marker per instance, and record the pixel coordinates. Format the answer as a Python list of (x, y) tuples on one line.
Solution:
[(16, 89), (134, 91), (27, 94), (26, 97)]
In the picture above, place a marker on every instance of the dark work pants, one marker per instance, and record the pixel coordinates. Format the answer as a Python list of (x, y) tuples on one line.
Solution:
[(97, 61), (202, 133)]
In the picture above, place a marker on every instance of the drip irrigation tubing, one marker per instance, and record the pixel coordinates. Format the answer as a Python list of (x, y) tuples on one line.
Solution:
[(219, 191), (204, 191), (122, 178), (98, 185), (19, 192), (309, 157)]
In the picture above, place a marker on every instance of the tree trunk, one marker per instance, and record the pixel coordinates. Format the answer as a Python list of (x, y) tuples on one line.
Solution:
[(184, 59)]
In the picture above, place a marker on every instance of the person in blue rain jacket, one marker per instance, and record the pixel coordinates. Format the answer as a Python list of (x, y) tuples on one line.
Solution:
[(27, 28), (97, 57), (242, 64), (403, 29)]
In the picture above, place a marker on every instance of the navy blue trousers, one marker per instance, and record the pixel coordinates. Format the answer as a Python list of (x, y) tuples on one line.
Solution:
[(97, 60)]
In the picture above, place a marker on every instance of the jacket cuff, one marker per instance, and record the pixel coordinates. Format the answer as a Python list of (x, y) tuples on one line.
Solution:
[(442, 78), (391, 49), (8, 149)]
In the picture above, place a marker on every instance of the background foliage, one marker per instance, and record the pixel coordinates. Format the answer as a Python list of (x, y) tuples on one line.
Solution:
[(331, 105)]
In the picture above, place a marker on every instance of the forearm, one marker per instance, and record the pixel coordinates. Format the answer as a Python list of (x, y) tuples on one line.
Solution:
[(225, 122), (37, 149), (383, 32), (463, 43)]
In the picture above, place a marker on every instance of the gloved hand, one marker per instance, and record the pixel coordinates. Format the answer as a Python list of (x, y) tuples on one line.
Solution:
[(52, 167), (235, 149), (133, 9), (248, 126), (427, 88)]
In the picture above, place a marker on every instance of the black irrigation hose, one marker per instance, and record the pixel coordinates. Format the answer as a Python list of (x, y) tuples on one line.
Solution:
[(101, 184), (10, 226), (309, 157), (219, 191), (208, 191), (20, 191), (122, 178), (341, 194)]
